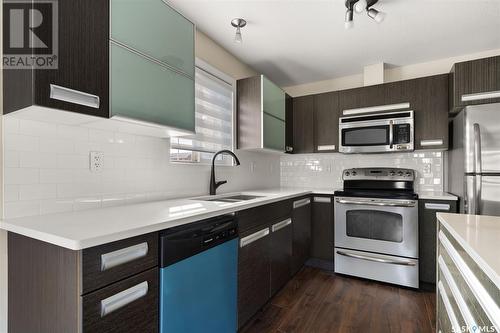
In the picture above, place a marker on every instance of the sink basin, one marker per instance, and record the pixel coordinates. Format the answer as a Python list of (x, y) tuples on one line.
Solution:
[(233, 198)]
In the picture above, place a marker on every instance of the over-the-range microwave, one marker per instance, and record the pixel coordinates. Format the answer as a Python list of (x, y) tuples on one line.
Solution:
[(377, 132)]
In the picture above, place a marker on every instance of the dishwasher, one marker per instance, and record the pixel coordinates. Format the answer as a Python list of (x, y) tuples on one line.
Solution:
[(198, 277)]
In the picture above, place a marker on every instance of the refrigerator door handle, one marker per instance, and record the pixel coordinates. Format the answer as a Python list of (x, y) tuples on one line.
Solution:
[(478, 168)]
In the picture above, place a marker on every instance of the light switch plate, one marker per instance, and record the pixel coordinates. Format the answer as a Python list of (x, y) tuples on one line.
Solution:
[(96, 161)]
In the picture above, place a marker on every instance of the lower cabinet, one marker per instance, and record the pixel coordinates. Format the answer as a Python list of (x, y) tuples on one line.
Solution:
[(427, 210), (322, 231), (254, 269), (301, 217), (281, 254)]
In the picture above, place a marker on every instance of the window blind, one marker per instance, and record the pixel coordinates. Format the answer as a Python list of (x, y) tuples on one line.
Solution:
[(213, 122)]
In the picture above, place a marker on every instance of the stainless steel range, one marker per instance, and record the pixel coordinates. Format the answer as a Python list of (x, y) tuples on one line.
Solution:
[(376, 225)]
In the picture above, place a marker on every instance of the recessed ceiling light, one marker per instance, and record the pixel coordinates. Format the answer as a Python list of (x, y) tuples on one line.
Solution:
[(238, 23)]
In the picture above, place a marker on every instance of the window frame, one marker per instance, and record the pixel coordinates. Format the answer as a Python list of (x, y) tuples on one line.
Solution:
[(211, 70)]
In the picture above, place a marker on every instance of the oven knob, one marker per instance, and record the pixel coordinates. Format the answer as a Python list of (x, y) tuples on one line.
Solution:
[(347, 173), (354, 173), (408, 174), (391, 173), (400, 173)]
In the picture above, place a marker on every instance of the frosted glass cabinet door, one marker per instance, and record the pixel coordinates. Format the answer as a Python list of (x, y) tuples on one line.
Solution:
[(154, 28), (144, 90), (273, 99), (274, 133)]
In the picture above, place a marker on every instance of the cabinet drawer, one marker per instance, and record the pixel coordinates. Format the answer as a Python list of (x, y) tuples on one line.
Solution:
[(130, 305), (105, 264), (154, 28), (143, 89), (263, 215)]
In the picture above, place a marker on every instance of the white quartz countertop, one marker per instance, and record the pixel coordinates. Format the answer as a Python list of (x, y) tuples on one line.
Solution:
[(479, 235), (83, 229), (429, 195)]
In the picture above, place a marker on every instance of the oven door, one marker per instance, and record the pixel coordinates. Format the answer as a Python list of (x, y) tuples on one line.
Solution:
[(386, 226)]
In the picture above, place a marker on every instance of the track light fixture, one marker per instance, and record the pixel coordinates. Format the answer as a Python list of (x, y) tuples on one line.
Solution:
[(238, 23), (360, 6)]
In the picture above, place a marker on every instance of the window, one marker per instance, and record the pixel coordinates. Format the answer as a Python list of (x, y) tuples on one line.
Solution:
[(213, 123)]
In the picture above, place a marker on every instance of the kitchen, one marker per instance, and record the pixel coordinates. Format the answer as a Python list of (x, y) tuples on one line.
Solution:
[(216, 169)]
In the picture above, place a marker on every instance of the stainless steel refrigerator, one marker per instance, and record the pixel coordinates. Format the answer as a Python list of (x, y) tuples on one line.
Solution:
[(474, 159)]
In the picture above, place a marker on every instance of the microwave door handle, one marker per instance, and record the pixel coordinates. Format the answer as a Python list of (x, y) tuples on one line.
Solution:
[(478, 169), (391, 134)]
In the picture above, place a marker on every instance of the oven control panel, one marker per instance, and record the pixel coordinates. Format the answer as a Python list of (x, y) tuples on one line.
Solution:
[(390, 174)]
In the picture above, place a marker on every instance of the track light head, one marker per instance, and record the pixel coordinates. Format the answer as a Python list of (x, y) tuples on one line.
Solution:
[(349, 18), (360, 6), (376, 15)]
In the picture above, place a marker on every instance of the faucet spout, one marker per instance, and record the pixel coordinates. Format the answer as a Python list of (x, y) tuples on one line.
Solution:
[(213, 183)]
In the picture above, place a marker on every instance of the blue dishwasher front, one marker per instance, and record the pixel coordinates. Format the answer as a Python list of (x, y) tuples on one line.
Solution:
[(198, 277)]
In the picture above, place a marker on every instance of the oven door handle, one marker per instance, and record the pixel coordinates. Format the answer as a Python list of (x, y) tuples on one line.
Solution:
[(381, 260), (377, 203)]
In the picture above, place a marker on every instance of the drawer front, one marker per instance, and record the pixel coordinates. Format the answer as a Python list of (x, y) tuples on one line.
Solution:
[(478, 305), (263, 215), (130, 305), (105, 264)]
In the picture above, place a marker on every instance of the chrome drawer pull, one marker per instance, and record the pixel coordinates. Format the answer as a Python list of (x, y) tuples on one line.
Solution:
[(480, 96), (385, 261), (322, 199), (254, 237), (377, 108), (300, 203), (437, 206), (430, 143), (122, 256), (74, 96), (281, 225), (325, 147), (123, 298)]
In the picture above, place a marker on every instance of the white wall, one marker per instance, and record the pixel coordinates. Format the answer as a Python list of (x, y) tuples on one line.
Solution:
[(391, 74), (324, 171)]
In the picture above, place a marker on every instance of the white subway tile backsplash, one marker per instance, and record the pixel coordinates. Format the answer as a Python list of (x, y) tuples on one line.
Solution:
[(325, 170), (46, 169)]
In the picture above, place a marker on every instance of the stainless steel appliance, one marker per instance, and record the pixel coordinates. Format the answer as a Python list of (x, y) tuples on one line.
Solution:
[(377, 132), (376, 226), (474, 159)]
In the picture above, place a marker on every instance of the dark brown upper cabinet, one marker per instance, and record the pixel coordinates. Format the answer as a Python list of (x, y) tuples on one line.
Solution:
[(83, 64), (303, 124), (326, 122), (288, 124), (474, 82), (362, 97)]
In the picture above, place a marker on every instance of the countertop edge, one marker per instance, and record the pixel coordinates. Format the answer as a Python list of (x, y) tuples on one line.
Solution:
[(490, 272)]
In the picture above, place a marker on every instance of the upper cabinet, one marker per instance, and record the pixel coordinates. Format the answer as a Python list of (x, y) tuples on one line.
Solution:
[(125, 60), (474, 82), (326, 122), (303, 124), (261, 114)]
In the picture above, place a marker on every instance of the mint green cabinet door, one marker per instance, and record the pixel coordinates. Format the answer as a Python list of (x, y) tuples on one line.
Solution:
[(273, 99), (154, 28), (143, 90), (274, 133)]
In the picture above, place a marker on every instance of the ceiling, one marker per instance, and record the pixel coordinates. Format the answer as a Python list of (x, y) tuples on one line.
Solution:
[(301, 41)]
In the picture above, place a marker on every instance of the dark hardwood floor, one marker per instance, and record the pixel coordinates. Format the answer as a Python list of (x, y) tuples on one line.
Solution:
[(320, 301)]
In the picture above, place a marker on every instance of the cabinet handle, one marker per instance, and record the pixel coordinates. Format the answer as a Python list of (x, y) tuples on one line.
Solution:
[(326, 147), (377, 108), (281, 225), (480, 96), (254, 237), (376, 259), (73, 96), (122, 256), (300, 203), (123, 298), (433, 142), (437, 206), (322, 199)]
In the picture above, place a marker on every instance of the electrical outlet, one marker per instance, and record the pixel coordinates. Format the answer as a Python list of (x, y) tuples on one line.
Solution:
[(96, 161)]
